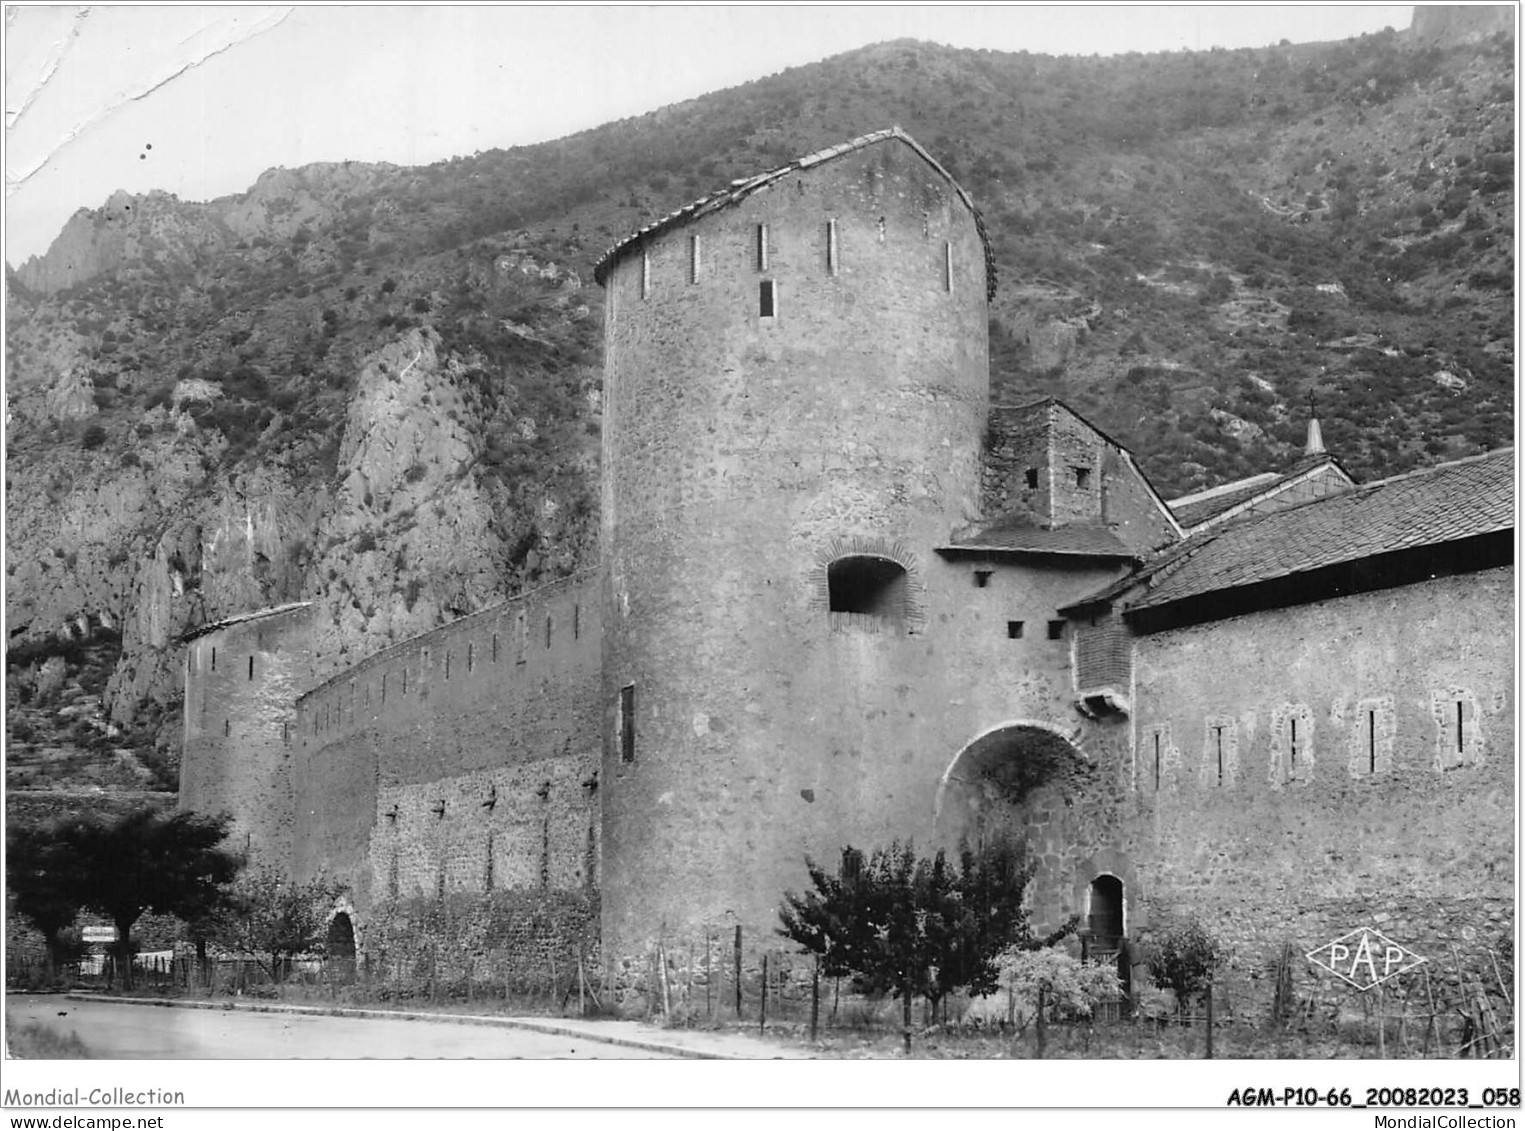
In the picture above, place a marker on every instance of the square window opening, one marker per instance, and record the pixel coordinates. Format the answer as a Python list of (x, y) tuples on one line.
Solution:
[(1032, 478), (1056, 630), (982, 578), (1014, 629), (1082, 477)]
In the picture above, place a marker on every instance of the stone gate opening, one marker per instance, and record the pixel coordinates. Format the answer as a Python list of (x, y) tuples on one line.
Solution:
[(985, 790), (341, 947)]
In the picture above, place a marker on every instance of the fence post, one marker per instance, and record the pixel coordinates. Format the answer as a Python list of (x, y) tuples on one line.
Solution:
[(1042, 1021), (1381, 1022), (1209, 996), (762, 1011), (738, 971), (709, 1014), (815, 998)]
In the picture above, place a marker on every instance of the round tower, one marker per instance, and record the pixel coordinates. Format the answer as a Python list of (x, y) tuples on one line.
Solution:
[(796, 388), (242, 679)]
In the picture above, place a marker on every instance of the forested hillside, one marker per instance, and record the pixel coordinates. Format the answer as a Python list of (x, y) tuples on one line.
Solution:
[(378, 387)]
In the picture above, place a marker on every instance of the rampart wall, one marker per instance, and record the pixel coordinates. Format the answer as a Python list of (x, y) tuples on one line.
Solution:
[(1297, 773), (242, 681), (464, 760)]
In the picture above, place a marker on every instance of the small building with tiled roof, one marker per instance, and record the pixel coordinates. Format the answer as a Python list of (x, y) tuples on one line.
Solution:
[(1313, 475)]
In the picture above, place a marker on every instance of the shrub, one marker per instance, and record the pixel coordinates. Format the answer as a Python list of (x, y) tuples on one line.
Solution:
[(93, 437), (1070, 989), (1183, 959)]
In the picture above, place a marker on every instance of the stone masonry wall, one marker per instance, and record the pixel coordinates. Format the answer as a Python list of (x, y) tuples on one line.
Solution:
[(1313, 777), (744, 452), (241, 683), (1050, 443), (462, 761)]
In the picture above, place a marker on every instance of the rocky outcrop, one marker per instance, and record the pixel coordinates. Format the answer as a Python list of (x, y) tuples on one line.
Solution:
[(410, 541), (153, 229), (1450, 25)]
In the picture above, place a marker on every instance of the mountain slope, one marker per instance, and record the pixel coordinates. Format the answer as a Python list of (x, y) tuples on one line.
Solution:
[(378, 387)]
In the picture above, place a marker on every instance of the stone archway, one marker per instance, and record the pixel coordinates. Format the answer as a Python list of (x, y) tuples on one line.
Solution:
[(1014, 780), (988, 785)]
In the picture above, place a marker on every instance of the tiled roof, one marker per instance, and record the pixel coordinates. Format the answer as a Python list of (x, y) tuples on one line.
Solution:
[(241, 618), (1422, 508), (1192, 509), (1195, 509), (1014, 533), (741, 189)]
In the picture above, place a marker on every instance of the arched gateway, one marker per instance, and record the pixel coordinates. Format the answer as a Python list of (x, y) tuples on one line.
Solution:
[(341, 947), (985, 790)]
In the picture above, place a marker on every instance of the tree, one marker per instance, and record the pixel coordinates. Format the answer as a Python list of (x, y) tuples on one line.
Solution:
[(36, 875), (147, 860), (912, 926), (272, 919), (1183, 960)]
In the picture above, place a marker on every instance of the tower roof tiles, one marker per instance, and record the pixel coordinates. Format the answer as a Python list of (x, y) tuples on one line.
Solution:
[(740, 189)]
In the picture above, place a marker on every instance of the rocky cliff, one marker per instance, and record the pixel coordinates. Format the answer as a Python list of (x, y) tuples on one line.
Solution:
[(377, 388)]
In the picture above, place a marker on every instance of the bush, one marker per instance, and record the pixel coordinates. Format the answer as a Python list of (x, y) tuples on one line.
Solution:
[(1183, 960), (1070, 989), (93, 437)]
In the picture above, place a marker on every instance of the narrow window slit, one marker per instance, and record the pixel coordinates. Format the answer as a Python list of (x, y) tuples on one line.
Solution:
[(762, 247), (831, 247), (627, 723), (765, 299)]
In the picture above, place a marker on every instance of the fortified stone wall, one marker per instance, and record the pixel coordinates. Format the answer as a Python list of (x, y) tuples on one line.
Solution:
[(242, 679), (767, 415), (1297, 773), (462, 761)]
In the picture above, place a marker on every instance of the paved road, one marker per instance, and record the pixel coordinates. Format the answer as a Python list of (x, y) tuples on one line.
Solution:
[(145, 1032)]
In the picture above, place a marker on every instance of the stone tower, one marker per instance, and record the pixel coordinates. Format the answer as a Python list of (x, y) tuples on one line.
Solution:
[(242, 678), (796, 387)]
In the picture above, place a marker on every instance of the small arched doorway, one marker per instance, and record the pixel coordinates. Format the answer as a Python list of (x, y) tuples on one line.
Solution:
[(1105, 914), (1105, 939), (341, 948)]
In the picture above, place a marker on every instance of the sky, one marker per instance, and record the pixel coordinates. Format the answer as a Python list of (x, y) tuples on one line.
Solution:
[(199, 100)]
